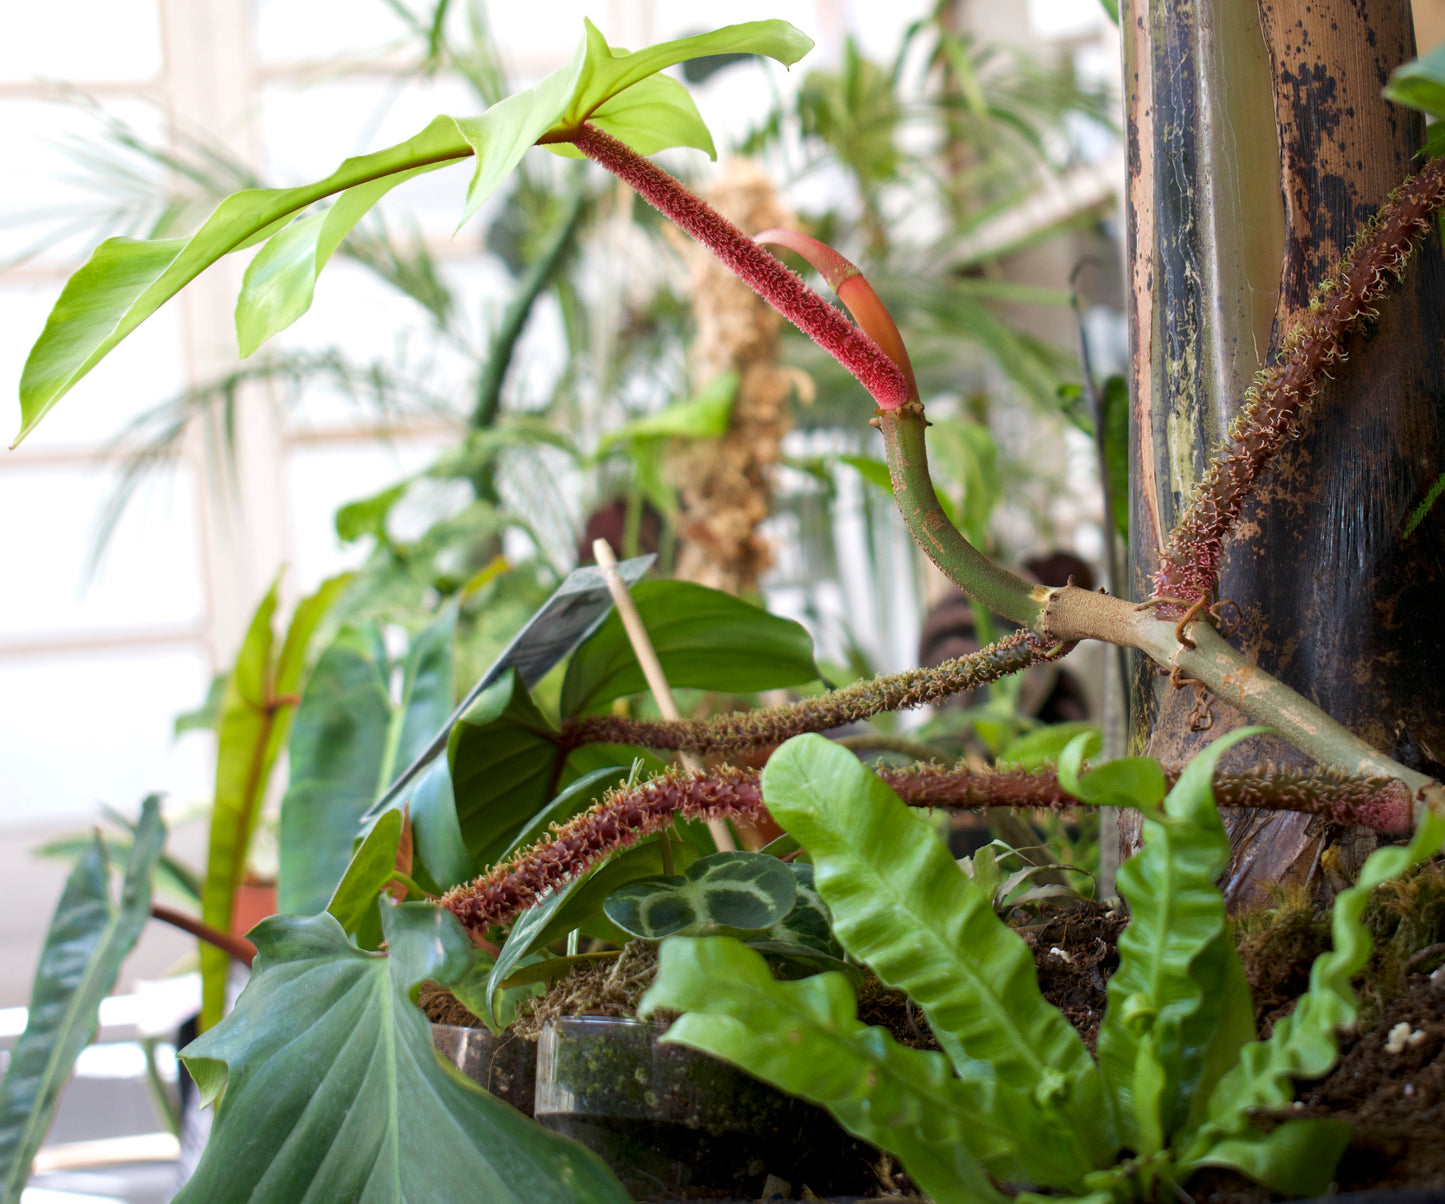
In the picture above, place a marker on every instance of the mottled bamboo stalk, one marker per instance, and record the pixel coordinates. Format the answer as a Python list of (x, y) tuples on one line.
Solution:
[(1283, 393)]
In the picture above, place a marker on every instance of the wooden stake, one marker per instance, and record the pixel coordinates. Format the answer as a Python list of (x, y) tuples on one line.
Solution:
[(652, 668)]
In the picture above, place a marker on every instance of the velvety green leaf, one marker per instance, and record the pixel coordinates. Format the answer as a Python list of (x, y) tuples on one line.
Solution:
[(805, 1037), (255, 720), (328, 1066), (1045, 745), (89, 937), (504, 759), (702, 417), (1179, 1009), (1304, 1044), (350, 740), (371, 868), (810, 923), (704, 638), (572, 906), (1420, 83), (902, 906), (749, 891)]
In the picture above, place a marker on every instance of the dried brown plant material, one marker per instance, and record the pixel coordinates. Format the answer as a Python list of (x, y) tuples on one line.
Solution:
[(725, 486)]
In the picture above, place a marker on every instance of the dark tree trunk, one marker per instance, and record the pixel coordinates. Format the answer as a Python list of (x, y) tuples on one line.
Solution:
[(1258, 145)]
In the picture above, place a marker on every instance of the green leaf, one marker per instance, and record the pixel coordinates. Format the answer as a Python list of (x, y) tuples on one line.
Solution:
[(574, 905), (1045, 745), (90, 935), (367, 516), (747, 891), (607, 70), (371, 868), (704, 638), (504, 758), (650, 116), (1114, 398), (1122, 782), (350, 740), (1304, 1044), (901, 905), (805, 1037), (810, 923), (702, 417), (1420, 83), (1179, 1009), (255, 719), (328, 1066)]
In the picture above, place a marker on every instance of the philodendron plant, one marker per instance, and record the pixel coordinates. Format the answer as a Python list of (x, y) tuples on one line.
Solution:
[(324, 1078)]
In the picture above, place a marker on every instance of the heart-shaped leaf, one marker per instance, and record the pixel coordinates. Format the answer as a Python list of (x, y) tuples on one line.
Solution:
[(327, 1065)]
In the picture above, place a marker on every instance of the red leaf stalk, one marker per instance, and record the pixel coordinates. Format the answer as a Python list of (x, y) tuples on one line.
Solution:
[(782, 289), (628, 814), (837, 708), (1282, 394)]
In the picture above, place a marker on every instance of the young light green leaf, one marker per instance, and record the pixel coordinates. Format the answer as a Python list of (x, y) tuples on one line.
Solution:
[(90, 935), (702, 417), (704, 638), (744, 891), (1179, 1008), (805, 1037), (1122, 782), (327, 1063), (901, 906), (652, 115), (1045, 745)]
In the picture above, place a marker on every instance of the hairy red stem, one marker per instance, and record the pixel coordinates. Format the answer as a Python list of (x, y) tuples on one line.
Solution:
[(1283, 393), (784, 290), (628, 814)]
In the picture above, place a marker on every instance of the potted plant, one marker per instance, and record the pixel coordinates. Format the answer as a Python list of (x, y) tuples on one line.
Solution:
[(325, 1053)]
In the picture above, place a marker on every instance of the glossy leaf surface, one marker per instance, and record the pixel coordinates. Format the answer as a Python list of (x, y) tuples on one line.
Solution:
[(704, 638), (805, 1037), (901, 905), (90, 935), (350, 739), (328, 1066)]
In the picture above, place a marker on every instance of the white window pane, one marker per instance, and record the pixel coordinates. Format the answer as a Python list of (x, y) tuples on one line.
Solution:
[(79, 728), (112, 40), (148, 582)]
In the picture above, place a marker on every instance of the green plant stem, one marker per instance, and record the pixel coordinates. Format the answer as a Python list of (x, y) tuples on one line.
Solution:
[(1003, 592), (1077, 614)]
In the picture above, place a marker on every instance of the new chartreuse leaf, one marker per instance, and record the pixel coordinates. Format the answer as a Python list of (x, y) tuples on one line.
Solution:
[(806, 1038), (901, 905), (126, 280), (1179, 1009), (90, 935), (256, 715), (328, 1065)]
